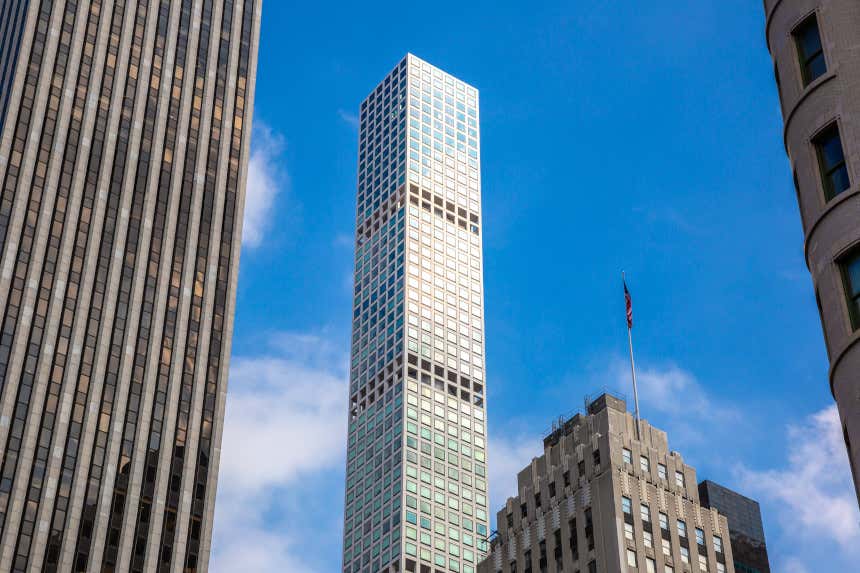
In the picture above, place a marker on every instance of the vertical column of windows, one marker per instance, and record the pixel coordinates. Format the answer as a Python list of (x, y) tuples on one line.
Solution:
[(16, 155), (172, 303), (12, 19), (133, 402), (73, 283), (214, 361), (28, 232), (85, 529), (52, 396)]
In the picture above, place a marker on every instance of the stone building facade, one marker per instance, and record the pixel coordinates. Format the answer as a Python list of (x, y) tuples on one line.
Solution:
[(817, 68), (601, 500)]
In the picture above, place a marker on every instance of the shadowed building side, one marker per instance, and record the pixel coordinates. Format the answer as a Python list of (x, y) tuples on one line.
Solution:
[(12, 16), (747, 532)]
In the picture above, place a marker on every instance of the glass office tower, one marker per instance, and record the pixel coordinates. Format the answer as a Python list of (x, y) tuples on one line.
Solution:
[(416, 490), (124, 146)]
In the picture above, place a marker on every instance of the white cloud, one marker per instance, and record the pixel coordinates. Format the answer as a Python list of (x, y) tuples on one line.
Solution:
[(793, 565), (286, 419), (812, 496), (507, 458), (349, 118), (674, 400), (676, 392), (266, 179)]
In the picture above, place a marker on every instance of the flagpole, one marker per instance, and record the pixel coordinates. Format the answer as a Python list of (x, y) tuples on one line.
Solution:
[(633, 371)]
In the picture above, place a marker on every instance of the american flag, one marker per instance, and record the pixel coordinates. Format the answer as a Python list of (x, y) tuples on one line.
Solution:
[(629, 302)]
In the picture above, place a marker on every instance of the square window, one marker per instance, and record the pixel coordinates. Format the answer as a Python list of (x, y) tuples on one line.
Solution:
[(626, 505), (631, 558), (627, 455)]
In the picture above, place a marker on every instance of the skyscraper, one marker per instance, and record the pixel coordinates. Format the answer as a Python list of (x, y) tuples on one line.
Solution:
[(817, 68), (600, 499), (416, 487), (122, 163), (745, 527)]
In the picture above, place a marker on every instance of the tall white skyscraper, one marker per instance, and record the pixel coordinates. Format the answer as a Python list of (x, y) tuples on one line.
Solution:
[(416, 482)]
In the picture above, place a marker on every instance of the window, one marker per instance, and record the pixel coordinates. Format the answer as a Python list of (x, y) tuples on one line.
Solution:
[(703, 563), (718, 544), (664, 521), (650, 565), (644, 464), (627, 455), (631, 558), (679, 479), (682, 528), (700, 536), (685, 554), (721, 567), (661, 471), (670, 569), (645, 513), (626, 505), (648, 539), (574, 542), (628, 531), (850, 266), (667, 548), (831, 161), (810, 54)]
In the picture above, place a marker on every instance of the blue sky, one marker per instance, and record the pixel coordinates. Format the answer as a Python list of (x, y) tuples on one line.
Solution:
[(646, 139)]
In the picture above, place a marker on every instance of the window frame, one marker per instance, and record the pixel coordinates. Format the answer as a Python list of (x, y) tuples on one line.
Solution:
[(804, 60), (852, 302), (825, 175)]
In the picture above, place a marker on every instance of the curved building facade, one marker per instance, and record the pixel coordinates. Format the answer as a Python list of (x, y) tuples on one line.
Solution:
[(816, 57)]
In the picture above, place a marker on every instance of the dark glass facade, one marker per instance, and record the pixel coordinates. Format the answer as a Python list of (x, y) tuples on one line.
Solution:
[(12, 13), (745, 526)]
